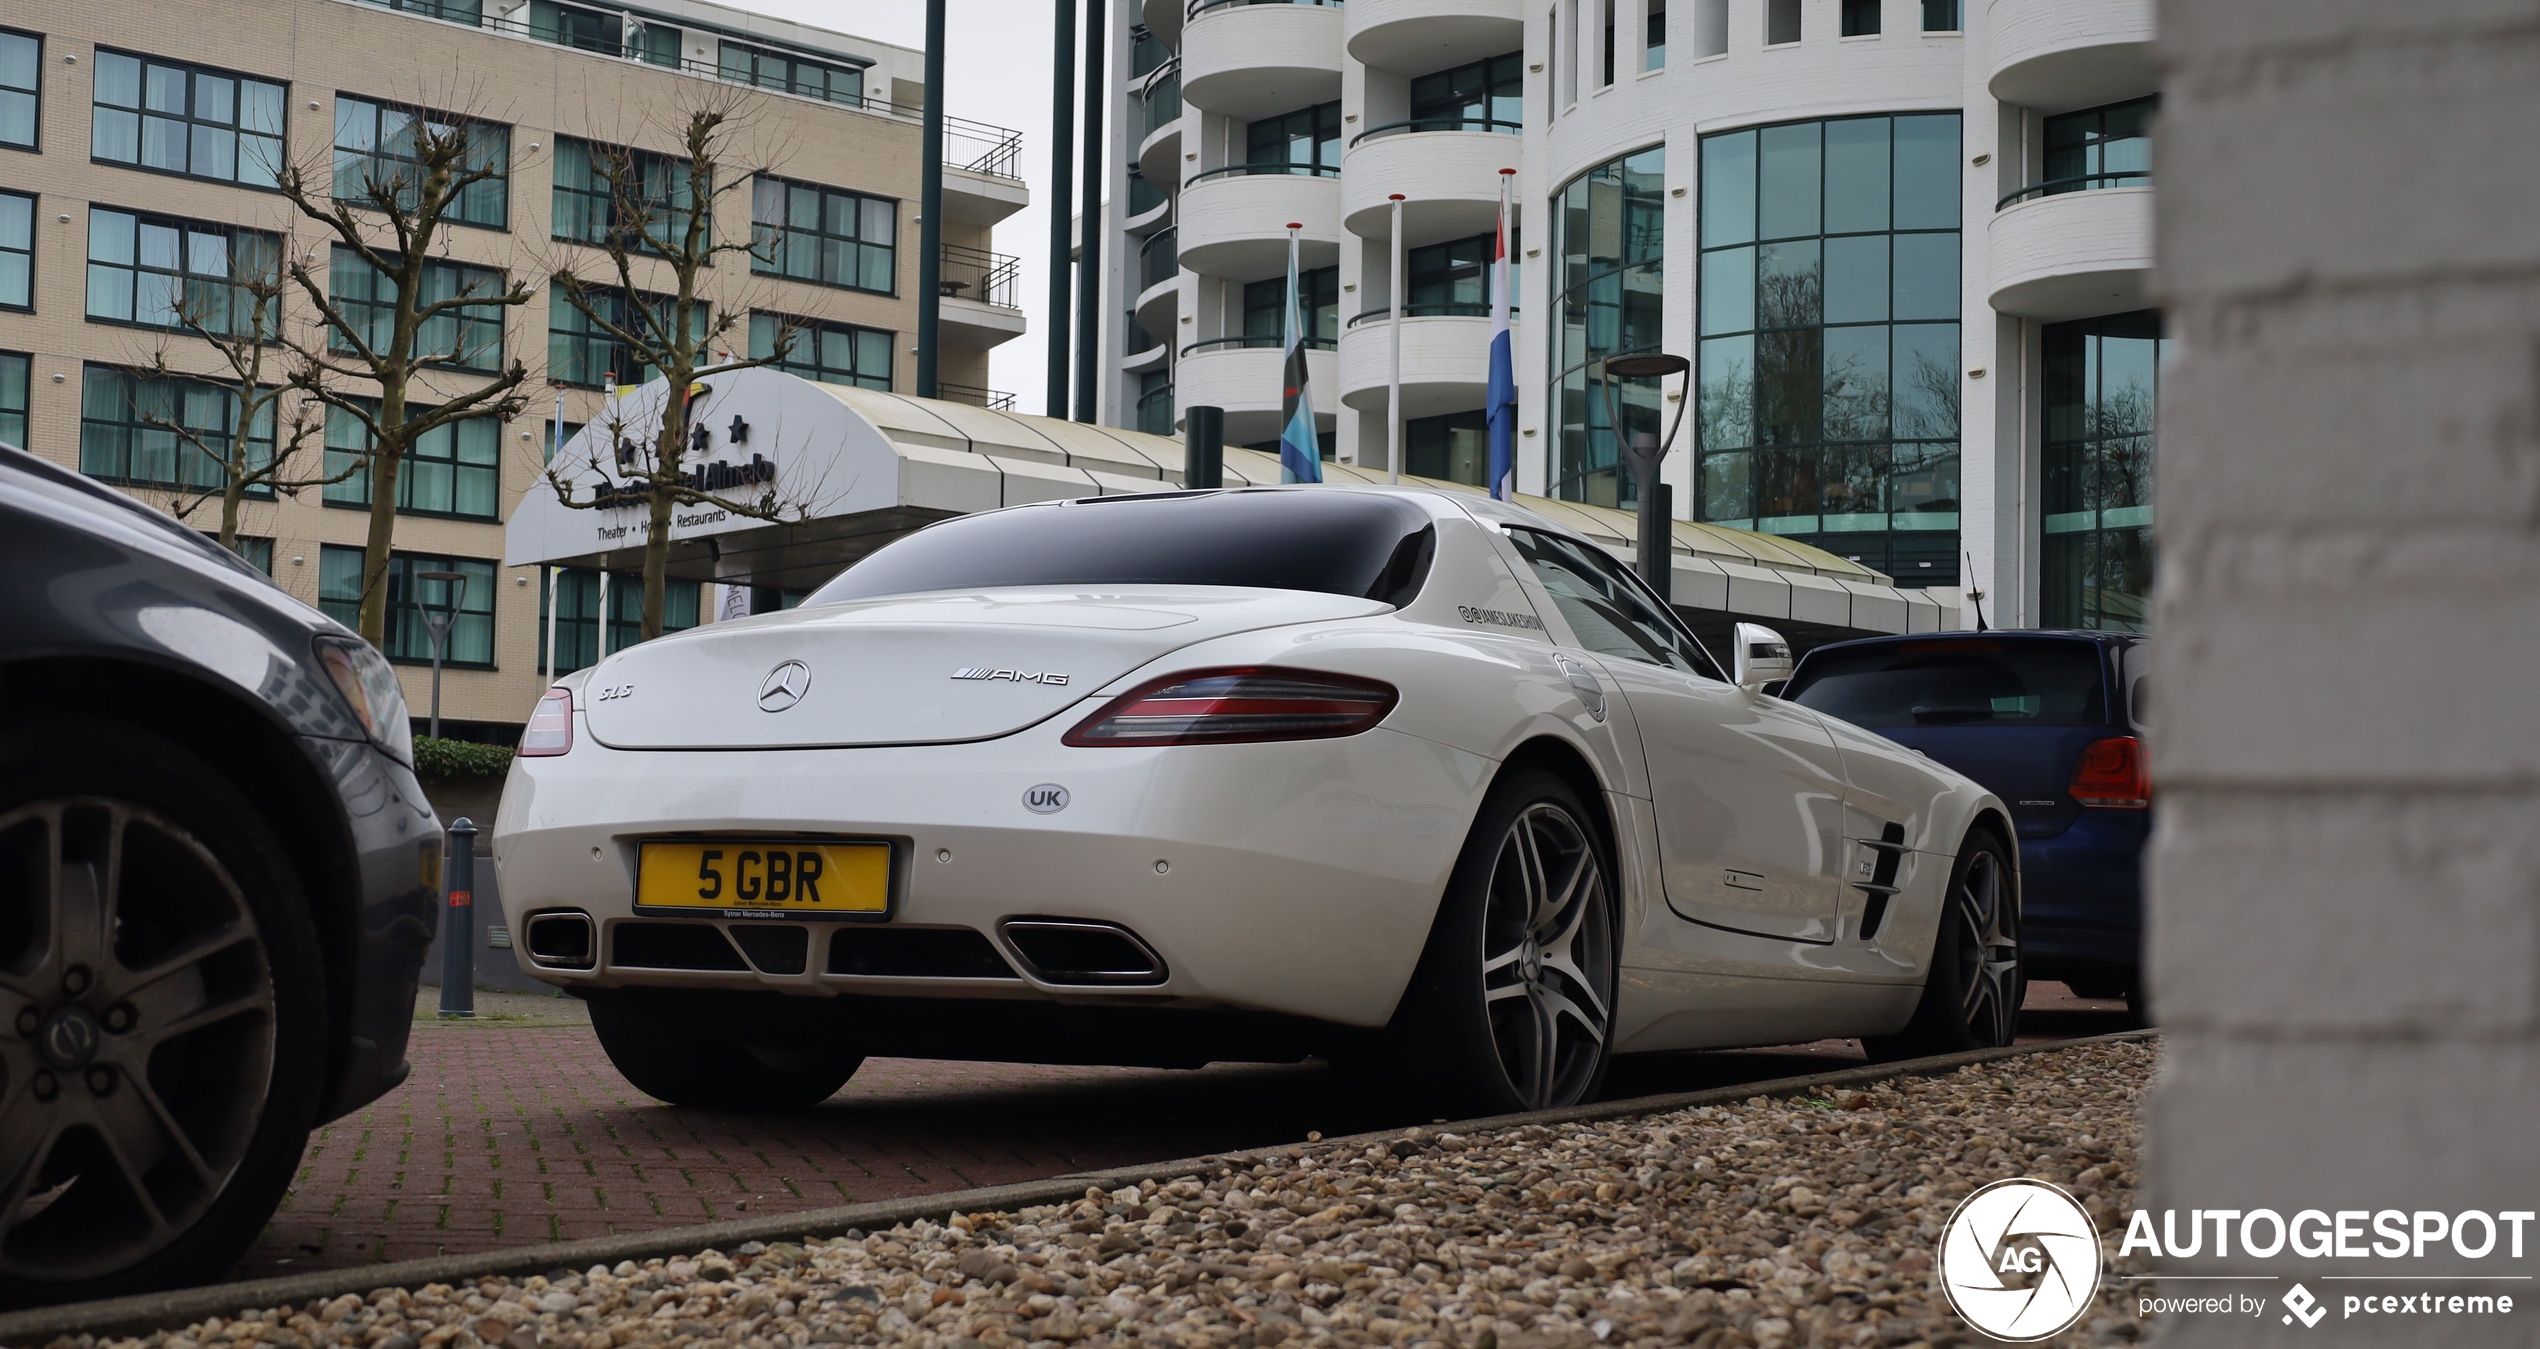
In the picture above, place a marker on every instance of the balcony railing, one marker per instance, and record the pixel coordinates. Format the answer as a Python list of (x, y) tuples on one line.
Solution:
[(1273, 342), (1155, 411), (1273, 169), (1199, 7), (994, 400), (1459, 309), (1419, 124), (1159, 258), (1161, 103), (1146, 51), (1143, 195), (977, 274), (1136, 339), (2053, 187), (977, 147)]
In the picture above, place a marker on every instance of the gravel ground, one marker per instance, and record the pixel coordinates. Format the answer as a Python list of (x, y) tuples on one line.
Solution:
[(1771, 1223)]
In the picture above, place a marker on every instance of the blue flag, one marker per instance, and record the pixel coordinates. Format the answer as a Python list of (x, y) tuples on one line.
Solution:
[(1300, 453), (1499, 405)]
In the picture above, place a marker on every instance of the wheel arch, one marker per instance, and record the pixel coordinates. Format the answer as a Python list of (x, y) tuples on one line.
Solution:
[(1569, 763), (243, 742)]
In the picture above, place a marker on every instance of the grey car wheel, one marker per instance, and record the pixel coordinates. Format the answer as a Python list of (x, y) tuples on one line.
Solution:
[(1975, 983), (1547, 957)]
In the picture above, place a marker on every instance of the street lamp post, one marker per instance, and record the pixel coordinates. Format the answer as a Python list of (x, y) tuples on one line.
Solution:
[(1646, 452), (437, 621)]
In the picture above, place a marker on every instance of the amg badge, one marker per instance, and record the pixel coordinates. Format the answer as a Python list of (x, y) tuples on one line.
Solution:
[(1015, 676)]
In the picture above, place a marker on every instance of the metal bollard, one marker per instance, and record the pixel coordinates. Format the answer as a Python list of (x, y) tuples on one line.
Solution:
[(1203, 448), (458, 924)]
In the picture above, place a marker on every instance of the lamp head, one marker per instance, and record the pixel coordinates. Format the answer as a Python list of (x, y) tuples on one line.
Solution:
[(1646, 365)]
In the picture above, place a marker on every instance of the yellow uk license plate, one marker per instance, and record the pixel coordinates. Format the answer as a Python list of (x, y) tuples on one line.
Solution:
[(765, 876)]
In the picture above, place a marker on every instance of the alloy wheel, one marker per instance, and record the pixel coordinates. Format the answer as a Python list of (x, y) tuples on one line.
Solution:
[(1547, 958), (139, 1046), (1984, 924)]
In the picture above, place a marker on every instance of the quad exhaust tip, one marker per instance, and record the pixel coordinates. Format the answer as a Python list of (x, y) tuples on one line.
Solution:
[(1082, 953), (563, 939)]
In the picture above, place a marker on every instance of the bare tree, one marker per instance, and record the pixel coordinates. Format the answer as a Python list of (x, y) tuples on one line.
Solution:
[(382, 220), (241, 320), (652, 216)]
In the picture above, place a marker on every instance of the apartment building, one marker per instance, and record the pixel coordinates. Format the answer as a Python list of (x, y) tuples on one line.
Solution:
[(139, 147), (1905, 243)]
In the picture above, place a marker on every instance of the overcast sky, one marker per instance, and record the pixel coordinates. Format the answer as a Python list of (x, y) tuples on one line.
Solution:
[(997, 63)]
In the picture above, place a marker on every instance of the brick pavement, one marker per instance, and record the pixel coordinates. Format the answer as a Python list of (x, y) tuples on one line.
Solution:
[(522, 1132)]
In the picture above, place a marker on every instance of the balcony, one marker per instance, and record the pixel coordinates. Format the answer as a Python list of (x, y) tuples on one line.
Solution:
[(1163, 20), (1250, 59), (2058, 55), (1445, 359), (1447, 166), (1235, 219), (1414, 37), (1245, 376), (1142, 350), (980, 307), (1159, 282), (1159, 136), (1155, 411), (2059, 255)]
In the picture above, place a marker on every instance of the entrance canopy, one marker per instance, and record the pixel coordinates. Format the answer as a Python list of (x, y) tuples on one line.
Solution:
[(848, 470)]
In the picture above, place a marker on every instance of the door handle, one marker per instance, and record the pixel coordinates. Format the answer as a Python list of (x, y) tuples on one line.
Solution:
[(1584, 684)]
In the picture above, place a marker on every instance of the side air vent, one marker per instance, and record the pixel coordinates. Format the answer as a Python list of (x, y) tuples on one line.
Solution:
[(1881, 886), (916, 953), (562, 939), (673, 946), (1074, 951), (776, 948)]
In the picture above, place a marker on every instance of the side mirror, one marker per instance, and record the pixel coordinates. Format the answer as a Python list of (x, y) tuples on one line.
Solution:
[(1762, 656)]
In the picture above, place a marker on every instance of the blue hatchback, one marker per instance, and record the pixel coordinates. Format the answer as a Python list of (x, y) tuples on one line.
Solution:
[(2051, 722)]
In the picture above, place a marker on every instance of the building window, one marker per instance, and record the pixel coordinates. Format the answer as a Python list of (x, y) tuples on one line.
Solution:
[(1828, 400), (832, 353), (1781, 22), (255, 552), (1146, 51), (1307, 141), (1608, 233), (554, 436), (576, 597), (1605, 67), (469, 337), (1455, 277), (835, 238), (1487, 95), (1565, 37), (788, 73), (13, 368), (162, 272), (1940, 16), (1860, 18), (610, 196), (2100, 147), (583, 354), (408, 640), (17, 251), (1653, 50), (455, 469), (21, 76), (469, 12), (375, 152), (1454, 446), (194, 120), (1318, 294), (2102, 385), (128, 425)]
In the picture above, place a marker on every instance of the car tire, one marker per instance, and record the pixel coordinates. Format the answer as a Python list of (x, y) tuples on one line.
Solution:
[(156, 940), (1512, 1005), (671, 1046), (1976, 981)]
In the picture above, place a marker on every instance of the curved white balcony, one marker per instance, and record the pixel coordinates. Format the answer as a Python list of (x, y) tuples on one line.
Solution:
[(1159, 279), (2073, 255), (1235, 222), (1414, 37), (1164, 19), (1158, 110), (1246, 380), (1449, 168), (2058, 55), (1160, 154), (1250, 60), (1445, 361)]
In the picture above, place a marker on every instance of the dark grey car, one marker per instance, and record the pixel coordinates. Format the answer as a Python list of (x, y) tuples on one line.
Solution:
[(217, 879)]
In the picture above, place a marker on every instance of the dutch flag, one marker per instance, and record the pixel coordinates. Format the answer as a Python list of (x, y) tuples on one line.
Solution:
[(1500, 407)]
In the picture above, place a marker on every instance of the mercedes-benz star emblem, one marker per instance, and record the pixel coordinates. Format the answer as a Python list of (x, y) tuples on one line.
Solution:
[(785, 686)]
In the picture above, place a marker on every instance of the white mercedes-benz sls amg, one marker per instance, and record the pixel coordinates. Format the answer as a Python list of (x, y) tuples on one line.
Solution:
[(1415, 781)]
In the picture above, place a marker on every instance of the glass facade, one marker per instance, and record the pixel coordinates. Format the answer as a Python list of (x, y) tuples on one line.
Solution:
[(175, 118), (1487, 95), (375, 152), (2102, 387), (408, 640), (1318, 294), (1307, 141), (832, 353), (129, 431), (1454, 446), (2100, 147), (1609, 240), (1454, 277), (1828, 308)]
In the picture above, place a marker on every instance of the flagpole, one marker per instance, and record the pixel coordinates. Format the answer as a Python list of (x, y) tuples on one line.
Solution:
[(1499, 408), (1300, 445), (1393, 387)]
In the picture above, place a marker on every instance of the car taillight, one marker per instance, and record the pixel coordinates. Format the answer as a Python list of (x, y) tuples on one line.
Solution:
[(2114, 773), (1225, 706), (550, 729)]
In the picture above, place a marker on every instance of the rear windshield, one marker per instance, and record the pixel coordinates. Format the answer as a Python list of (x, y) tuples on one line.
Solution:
[(1337, 543), (1955, 683)]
